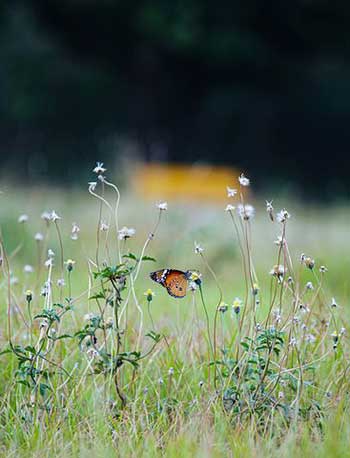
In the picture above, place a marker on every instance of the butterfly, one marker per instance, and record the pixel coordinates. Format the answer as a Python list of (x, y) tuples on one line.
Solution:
[(175, 281)]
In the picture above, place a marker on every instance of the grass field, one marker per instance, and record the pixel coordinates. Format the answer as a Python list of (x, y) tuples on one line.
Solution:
[(252, 362)]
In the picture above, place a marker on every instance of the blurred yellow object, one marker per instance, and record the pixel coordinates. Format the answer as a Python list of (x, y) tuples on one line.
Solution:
[(184, 182)]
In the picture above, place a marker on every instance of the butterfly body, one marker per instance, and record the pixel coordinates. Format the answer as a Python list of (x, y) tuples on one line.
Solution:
[(175, 281)]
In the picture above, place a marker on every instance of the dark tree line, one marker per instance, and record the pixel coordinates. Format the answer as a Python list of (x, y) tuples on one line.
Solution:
[(261, 85)]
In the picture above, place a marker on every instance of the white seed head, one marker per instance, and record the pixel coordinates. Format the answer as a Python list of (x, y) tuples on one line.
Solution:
[(171, 371), (104, 226), (246, 211), (54, 216), (39, 237), (28, 269), (231, 192), (282, 216), (46, 216), (198, 249), (243, 180), (162, 206), (125, 233), (23, 218), (99, 169), (75, 231)]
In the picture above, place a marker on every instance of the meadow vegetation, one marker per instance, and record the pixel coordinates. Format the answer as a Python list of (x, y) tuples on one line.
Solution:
[(98, 360)]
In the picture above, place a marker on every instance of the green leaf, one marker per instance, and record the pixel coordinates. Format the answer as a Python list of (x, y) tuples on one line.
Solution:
[(7, 350), (64, 336), (148, 258), (24, 382), (130, 256), (154, 336), (43, 388), (99, 295)]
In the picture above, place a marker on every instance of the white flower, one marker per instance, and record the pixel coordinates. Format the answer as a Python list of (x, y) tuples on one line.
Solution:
[(334, 303), (197, 248), (92, 353), (293, 342), (38, 237), (54, 216), (125, 233), (69, 264), (323, 269), (92, 186), (45, 289), (75, 231), (192, 286), (231, 192), (307, 261), (46, 216), (61, 282), (237, 305), (162, 206), (49, 263), (310, 338), (171, 371), (50, 253), (342, 331), (222, 307), (277, 316), (28, 269), (99, 169), (104, 226), (296, 319), (269, 209), (246, 211), (309, 285), (282, 216), (278, 271), (243, 180), (23, 218), (229, 208)]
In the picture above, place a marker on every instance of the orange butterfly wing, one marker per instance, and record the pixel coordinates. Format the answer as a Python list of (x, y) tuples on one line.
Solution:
[(158, 276), (176, 283)]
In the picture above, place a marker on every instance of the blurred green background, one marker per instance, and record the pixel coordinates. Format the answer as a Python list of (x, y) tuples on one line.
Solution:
[(261, 86)]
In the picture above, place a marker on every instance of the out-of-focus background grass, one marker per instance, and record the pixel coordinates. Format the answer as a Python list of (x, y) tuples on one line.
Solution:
[(319, 231)]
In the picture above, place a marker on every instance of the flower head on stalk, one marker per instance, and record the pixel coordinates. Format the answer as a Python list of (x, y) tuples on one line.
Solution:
[(99, 169), (243, 180), (126, 232), (162, 206), (231, 192)]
